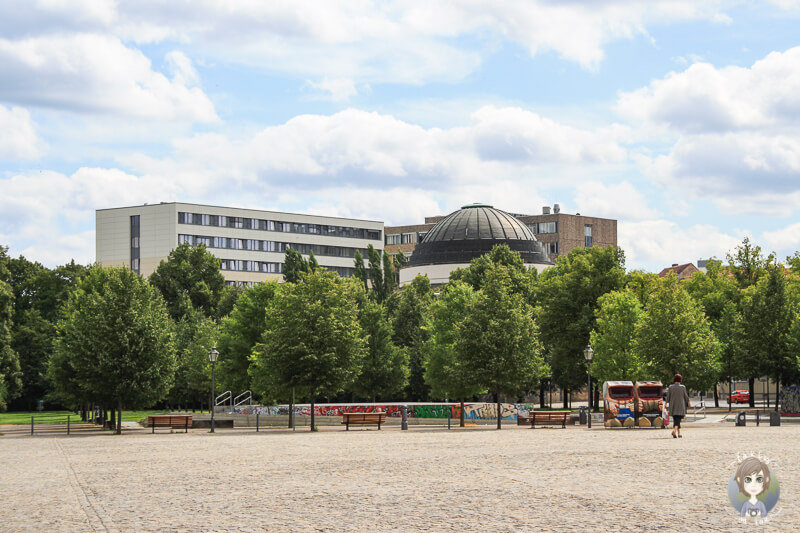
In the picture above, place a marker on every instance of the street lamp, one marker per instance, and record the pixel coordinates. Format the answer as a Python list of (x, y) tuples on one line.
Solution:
[(213, 355), (588, 353)]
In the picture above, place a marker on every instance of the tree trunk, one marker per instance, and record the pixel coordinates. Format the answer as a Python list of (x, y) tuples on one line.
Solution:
[(752, 385), (596, 398), (313, 426), (565, 397), (119, 416), (541, 395), (777, 393), (716, 395), (767, 389), (499, 414), (461, 415)]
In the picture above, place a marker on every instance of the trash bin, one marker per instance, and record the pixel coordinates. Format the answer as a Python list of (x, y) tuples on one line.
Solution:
[(741, 419), (774, 418), (582, 418)]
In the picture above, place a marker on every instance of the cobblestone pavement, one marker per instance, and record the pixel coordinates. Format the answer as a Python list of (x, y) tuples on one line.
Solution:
[(475, 479)]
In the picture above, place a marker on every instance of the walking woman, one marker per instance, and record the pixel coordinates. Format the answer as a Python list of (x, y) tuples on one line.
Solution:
[(678, 401)]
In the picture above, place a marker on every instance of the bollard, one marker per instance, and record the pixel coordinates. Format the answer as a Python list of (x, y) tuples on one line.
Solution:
[(741, 418), (758, 418), (404, 423), (257, 422), (448, 422), (67, 424), (31, 425)]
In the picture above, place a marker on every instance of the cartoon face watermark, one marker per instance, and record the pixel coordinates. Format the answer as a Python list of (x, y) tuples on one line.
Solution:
[(753, 489)]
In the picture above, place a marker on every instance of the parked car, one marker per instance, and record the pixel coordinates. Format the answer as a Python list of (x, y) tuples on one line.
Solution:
[(739, 396)]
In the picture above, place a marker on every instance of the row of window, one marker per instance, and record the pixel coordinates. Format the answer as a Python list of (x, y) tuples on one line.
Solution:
[(544, 227), (405, 238), (135, 246), (257, 245), (550, 248), (222, 221), (237, 265)]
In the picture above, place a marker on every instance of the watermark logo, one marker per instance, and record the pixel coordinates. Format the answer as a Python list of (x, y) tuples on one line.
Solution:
[(754, 489)]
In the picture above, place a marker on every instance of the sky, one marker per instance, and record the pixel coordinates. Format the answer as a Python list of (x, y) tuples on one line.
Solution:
[(678, 118)]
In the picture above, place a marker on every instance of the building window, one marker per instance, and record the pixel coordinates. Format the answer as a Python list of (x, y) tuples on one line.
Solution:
[(135, 244), (587, 235), (548, 227), (550, 248), (393, 238), (407, 238)]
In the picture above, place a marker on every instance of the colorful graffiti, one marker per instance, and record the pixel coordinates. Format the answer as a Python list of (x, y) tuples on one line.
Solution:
[(790, 400), (472, 411)]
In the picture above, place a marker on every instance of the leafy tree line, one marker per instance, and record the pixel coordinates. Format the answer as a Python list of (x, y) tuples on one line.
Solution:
[(83, 335)]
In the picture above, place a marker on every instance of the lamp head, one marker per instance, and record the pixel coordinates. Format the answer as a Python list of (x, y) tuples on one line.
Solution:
[(588, 353), (213, 355)]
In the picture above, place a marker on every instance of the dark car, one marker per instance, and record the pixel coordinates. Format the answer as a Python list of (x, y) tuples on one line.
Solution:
[(739, 396)]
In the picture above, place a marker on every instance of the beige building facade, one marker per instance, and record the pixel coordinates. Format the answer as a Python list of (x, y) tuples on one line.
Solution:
[(250, 243)]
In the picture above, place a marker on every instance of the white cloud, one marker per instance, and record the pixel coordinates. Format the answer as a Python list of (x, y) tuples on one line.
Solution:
[(98, 73), (620, 201), (365, 41), (18, 138), (707, 99), (338, 90), (735, 133), (786, 239), (664, 242)]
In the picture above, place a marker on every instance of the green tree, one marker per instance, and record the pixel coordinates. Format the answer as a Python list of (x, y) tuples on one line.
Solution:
[(195, 335), (240, 332), (499, 342), (385, 366), (747, 263), (114, 344), (407, 323), (766, 322), (10, 374), (613, 336), (360, 270), (376, 273), (447, 374), (718, 293), (313, 339), (389, 277), (522, 280), (674, 336), (189, 278), (567, 295)]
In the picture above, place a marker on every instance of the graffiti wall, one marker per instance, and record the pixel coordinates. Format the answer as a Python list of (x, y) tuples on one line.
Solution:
[(790, 400), (472, 411)]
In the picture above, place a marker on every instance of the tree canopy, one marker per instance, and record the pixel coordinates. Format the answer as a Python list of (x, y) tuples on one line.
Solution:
[(189, 278), (313, 339)]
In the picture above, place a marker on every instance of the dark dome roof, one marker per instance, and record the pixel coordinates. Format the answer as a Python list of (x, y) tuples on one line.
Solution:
[(473, 231)]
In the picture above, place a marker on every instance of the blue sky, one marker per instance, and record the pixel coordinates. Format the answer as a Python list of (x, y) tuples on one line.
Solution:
[(678, 118)]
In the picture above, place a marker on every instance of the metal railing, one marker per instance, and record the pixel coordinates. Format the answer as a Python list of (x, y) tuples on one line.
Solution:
[(222, 399), (698, 411), (246, 396)]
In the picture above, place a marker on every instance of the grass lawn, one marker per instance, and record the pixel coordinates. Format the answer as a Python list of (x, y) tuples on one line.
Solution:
[(60, 417)]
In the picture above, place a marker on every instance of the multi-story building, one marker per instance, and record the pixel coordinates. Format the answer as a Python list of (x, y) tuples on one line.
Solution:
[(251, 243), (558, 232)]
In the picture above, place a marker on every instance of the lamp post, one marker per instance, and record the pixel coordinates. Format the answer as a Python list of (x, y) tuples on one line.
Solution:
[(213, 355), (588, 353)]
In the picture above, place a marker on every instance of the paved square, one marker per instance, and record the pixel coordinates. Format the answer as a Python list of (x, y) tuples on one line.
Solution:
[(477, 479)]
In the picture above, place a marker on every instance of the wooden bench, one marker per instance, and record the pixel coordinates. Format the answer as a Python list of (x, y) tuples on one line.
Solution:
[(549, 418), (169, 421), (363, 418)]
